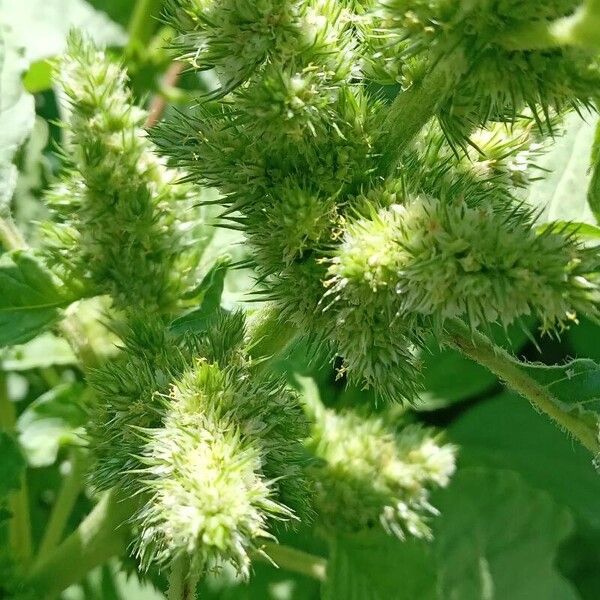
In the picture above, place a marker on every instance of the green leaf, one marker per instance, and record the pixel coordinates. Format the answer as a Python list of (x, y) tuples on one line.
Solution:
[(594, 187), (375, 566), (209, 291), (17, 112), (12, 464), (497, 539), (450, 377), (118, 10), (574, 385), (41, 26), (506, 432), (583, 339), (585, 231), (53, 420), (38, 77), (44, 351), (30, 298), (562, 193)]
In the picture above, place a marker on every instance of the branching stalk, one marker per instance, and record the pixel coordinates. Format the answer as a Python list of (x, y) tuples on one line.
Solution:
[(297, 560), (18, 500), (63, 505), (143, 22), (479, 348), (100, 536), (413, 108)]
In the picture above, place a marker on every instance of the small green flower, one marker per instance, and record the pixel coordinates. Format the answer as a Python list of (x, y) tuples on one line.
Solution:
[(373, 473)]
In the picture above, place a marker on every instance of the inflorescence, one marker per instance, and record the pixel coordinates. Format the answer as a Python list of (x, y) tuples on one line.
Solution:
[(364, 260)]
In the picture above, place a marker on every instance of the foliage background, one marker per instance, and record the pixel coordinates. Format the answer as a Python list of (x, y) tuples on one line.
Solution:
[(521, 520)]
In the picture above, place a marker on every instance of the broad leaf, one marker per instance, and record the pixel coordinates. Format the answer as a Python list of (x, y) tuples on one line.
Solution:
[(497, 538), (562, 192), (12, 464), (30, 298), (574, 385), (44, 351), (594, 187), (450, 377), (41, 26), (585, 231), (16, 112), (583, 339), (209, 292), (375, 566), (506, 432), (55, 419)]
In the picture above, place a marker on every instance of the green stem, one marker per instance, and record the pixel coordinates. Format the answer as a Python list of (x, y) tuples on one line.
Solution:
[(479, 348), (582, 28), (72, 329), (63, 506), (18, 500), (297, 560), (268, 335), (143, 22), (100, 536), (413, 108), (183, 579), (10, 236)]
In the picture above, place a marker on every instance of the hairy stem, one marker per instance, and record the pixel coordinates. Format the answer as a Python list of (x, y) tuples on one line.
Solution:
[(268, 335), (72, 329), (582, 28), (297, 560), (100, 536), (183, 579), (479, 348), (63, 506), (143, 22), (18, 500), (413, 108)]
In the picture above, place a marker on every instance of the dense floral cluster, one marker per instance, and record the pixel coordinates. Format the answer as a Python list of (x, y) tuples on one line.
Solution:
[(217, 447), (118, 211), (367, 233), (377, 473), (496, 81), (360, 240)]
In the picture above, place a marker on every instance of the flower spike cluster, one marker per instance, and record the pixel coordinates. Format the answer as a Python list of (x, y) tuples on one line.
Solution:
[(118, 210), (373, 472), (364, 259), (213, 451), (497, 81)]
